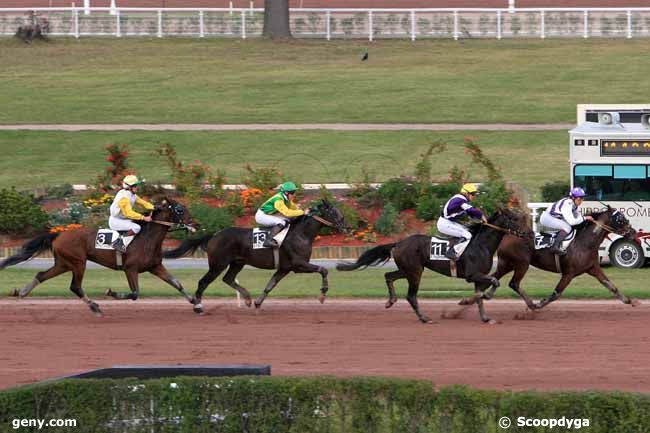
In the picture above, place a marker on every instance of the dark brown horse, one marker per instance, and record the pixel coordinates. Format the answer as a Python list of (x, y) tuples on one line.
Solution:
[(517, 254), (232, 248), (412, 255), (73, 248)]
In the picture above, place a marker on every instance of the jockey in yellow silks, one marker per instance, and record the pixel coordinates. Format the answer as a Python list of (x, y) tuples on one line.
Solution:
[(122, 215)]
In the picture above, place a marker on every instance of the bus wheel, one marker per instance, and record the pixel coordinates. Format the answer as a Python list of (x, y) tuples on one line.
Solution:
[(626, 254)]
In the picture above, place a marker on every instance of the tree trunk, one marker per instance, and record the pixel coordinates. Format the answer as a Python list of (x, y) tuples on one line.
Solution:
[(276, 19)]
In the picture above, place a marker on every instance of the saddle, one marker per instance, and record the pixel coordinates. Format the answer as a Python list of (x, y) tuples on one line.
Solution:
[(260, 234), (545, 240)]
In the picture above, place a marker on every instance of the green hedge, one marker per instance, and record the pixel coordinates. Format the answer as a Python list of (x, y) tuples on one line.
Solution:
[(276, 404)]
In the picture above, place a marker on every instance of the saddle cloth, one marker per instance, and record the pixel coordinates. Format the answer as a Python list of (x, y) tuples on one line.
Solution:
[(260, 234), (545, 240), (105, 239)]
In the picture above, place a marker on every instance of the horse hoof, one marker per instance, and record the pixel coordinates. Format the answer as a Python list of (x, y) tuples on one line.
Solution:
[(464, 301), (390, 303), (635, 302), (109, 292), (198, 308), (321, 298), (248, 302), (491, 322), (13, 293), (95, 309), (426, 320)]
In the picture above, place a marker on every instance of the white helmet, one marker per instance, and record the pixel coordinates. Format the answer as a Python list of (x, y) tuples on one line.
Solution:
[(130, 180)]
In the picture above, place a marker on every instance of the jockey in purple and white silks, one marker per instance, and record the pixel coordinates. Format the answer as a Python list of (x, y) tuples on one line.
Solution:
[(457, 207), (562, 216)]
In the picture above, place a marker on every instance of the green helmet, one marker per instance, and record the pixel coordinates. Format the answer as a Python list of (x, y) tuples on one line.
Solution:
[(288, 187)]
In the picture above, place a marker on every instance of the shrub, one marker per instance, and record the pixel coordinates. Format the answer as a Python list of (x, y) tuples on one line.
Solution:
[(433, 198), (118, 158), (20, 213), (262, 178), (59, 191), (387, 223), (552, 191), (74, 213), (211, 219), (494, 194), (235, 204), (399, 192)]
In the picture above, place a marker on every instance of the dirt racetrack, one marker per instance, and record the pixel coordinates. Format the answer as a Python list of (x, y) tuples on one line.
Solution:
[(571, 345)]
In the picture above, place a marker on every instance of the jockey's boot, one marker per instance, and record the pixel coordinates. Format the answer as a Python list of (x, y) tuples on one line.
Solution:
[(270, 242), (122, 242), (557, 244), (451, 251)]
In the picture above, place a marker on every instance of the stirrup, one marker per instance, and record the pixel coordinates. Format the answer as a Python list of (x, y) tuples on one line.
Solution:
[(118, 245), (451, 254)]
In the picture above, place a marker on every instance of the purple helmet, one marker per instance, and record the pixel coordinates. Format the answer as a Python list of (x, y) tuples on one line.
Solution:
[(577, 192)]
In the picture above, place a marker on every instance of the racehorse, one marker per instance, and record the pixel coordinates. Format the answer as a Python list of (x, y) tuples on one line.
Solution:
[(232, 248), (582, 257), (412, 255), (73, 248)]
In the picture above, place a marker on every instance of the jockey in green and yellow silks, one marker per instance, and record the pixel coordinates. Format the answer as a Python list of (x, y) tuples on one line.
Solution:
[(277, 210)]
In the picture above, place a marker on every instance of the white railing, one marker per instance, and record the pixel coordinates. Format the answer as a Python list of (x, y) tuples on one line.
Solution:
[(339, 23), (536, 210)]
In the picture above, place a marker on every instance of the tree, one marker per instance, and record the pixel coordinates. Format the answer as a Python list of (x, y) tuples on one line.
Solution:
[(276, 19)]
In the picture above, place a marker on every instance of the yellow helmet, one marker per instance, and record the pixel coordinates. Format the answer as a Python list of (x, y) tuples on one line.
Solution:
[(130, 180), (469, 188)]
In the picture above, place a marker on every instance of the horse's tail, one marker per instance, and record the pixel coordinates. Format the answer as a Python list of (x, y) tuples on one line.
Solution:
[(30, 249), (373, 257), (187, 247)]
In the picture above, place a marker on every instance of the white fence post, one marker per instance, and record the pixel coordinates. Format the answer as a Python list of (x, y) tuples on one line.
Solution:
[(243, 24), (328, 18), (543, 30), (113, 10), (160, 30), (586, 25), (370, 26), (629, 24), (86, 7), (412, 25), (455, 25), (201, 29), (118, 30), (499, 25), (76, 23), (230, 7)]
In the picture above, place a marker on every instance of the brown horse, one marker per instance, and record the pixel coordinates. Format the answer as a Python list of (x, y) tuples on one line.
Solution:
[(582, 257), (412, 255), (73, 248)]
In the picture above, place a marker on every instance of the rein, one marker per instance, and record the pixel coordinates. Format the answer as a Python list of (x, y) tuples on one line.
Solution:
[(605, 226), (174, 226), (508, 231), (322, 221)]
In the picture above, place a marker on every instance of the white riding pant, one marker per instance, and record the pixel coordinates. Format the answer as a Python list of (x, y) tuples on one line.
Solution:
[(454, 229), (549, 221), (121, 224), (267, 220)]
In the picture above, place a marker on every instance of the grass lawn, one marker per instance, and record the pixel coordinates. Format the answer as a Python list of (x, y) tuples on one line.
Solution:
[(361, 284), (37, 159), (233, 81)]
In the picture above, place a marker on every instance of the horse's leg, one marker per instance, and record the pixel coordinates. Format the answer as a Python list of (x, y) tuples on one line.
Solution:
[(561, 285), (75, 286), (481, 308), (598, 273), (390, 278), (275, 279), (303, 267), (161, 272), (481, 283), (55, 270), (412, 296), (230, 279), (204, 282), (515, 284), (132, 278)]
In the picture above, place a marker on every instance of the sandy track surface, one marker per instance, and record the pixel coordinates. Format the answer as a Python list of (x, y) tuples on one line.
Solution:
[(572, 345)]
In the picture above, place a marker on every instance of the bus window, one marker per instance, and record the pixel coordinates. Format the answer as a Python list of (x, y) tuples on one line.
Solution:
[(614, 182)]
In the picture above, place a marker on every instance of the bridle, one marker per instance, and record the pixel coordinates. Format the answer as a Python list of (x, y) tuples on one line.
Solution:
[(323, 221), (173, 225)]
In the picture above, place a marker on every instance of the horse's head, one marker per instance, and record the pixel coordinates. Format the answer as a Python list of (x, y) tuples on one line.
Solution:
[(511, 221), (613, 220), (173, 212), (329, 214)]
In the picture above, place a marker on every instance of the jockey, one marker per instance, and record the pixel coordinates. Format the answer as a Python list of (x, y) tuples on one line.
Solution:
[(562, 215), (455, 208), (277, 210), (122, 214)]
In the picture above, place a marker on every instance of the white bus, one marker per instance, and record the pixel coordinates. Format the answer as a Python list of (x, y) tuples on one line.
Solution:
[(610, 159)]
